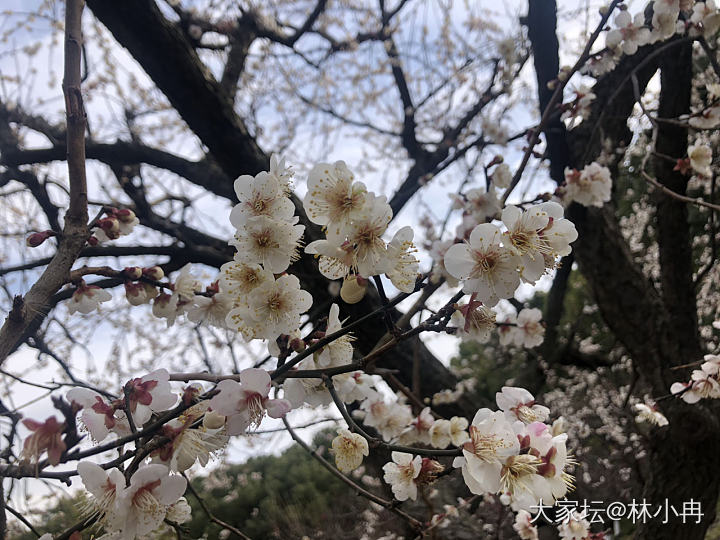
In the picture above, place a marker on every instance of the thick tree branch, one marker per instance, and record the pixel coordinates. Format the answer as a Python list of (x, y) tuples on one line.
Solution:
[(75, 233)]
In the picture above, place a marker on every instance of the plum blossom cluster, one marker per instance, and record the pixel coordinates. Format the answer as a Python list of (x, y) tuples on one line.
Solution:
[(476, 322), (355, 220), (704, 382), (492, 263), (631, 32), (266, 302), (514, 453), (574, 527), (137, 509), (136, 502), (669, 18), (592, 186), (511, 453), (114, 224)]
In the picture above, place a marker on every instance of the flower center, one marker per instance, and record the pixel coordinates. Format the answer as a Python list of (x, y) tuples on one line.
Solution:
[(526, 414), (484, 446), (255, 407), (515, 470), (485, 262), (146, 502)]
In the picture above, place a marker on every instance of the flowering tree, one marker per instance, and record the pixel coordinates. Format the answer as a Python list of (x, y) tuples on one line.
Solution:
[(316, 299)]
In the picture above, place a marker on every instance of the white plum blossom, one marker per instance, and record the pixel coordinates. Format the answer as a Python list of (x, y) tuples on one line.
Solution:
[(273, 308), (333, 197), (105, 488), (437, 254), (281, 172), (474, 321), (189, 444), (165, 306), (529, 331), (87, 298), (364, 234), (649, 414), (419, 429), (584, 98), (666, 6), (705, 15), (492, 441), (445, 432), (335, 256), (700, 158), (211, 310), (519, 404), (179, 512), (501, 176), (146, 501), (98, 415), (401, 473), (575, 528), (559, 232), (148, 394), (261, 195), (389, 419), (402, 265), (246, 403), (703, 382), (481, 204), (486, 267), (590, 187), (524, 526), (355, 386), (664, 23), (340, 351), (306, 390), (269, 242), (706, 119), (630, 33), (239, 278), (349, 449), (524, 238)]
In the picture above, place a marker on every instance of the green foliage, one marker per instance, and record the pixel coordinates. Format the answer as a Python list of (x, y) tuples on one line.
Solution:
[(277, 497)]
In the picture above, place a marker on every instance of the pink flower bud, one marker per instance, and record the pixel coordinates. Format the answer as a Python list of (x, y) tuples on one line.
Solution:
[(133, 272), (35, 239), (125, 215), (110, 226), (297, 345), (154, 272)]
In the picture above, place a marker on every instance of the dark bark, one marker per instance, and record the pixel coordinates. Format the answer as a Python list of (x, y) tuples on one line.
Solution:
[(169, 59)]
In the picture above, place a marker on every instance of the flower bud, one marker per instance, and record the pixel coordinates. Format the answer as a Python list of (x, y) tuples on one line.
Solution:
[(133, 272), (352, 291), (154, 272), (297, 345), (213, 420), (125, 215), (150, 290), (135, 293), (35, 239), (110, 226)]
